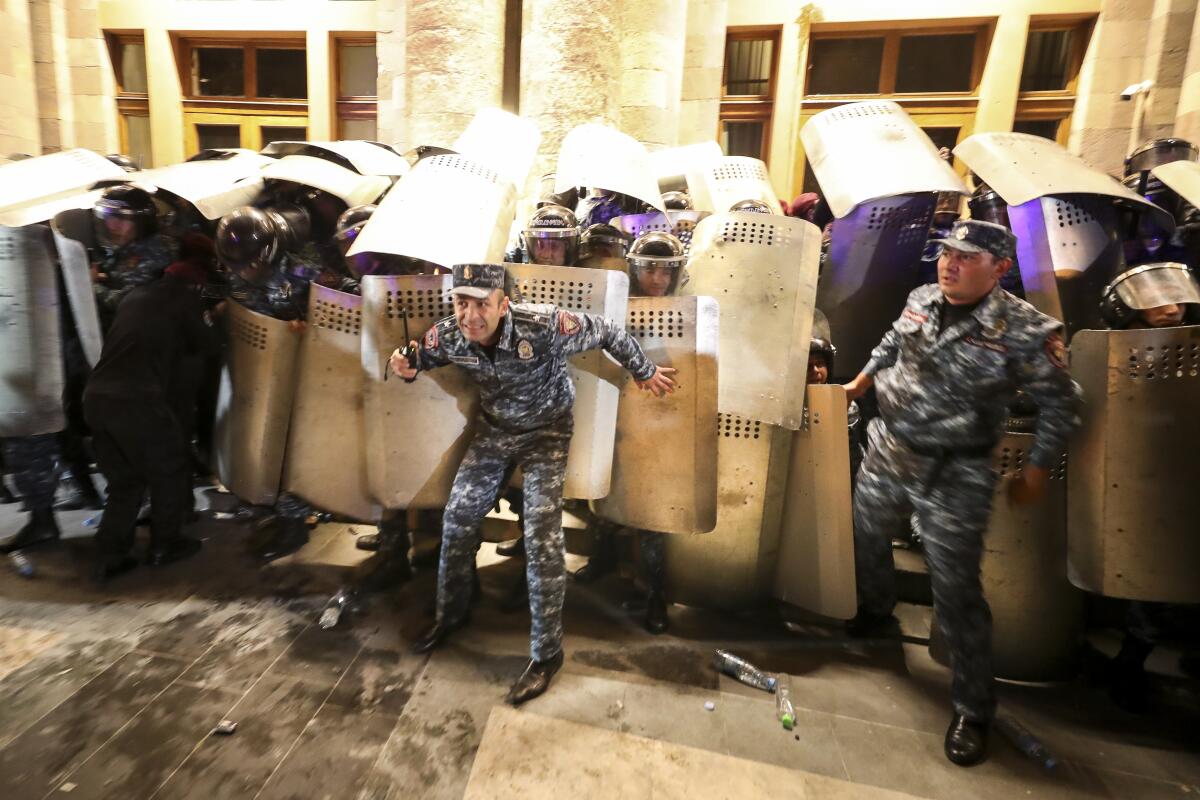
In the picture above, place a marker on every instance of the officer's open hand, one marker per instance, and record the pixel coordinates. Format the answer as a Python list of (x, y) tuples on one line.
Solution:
[(399, 363), (660, 383), (857, 387), (1030, 486)]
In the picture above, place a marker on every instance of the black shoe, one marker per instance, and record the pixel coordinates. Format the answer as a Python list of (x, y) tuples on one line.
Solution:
[(513, 549), (177, 549), (436, 635), (290, 536), (602, 562), (657, 620), (387, 569), (40, 529), (865, 625), (534, 681), (966, 741), (109, 568), (517, 596), (77, 492), (368, 542)]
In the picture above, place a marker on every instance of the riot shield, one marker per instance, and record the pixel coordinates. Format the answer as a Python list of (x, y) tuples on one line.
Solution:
[(600, 157), (74, 235), (715, 187), (325, 460), (1181, 177), (31, 367), (596, 376), (416, 434), (664, 475), (873, 263), (1131, 513), (346, 185), (213, 187), (815, 569), (501, 141), (680, 223), (672, 165), (45, 178), (449, 210), (763, 271), (733, 567), (862, 152), (365, 158), (254, 404)]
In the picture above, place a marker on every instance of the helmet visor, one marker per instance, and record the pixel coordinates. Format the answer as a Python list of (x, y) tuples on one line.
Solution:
[(554, 247), (1155, 285)]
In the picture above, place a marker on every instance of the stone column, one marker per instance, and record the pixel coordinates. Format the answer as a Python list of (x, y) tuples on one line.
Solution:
[(93, 87), (19, 129), (1001, 81), (1187, 114), (652, 35), (390, 51), (703, 61), (455, 65)]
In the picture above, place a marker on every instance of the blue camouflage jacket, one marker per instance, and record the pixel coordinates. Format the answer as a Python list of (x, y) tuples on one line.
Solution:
[(136, 264)]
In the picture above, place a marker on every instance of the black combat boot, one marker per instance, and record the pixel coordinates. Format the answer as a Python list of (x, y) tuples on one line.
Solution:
[(110, 567), (535, 680), (866, 625), (291, 533), (437, 634), (177, 549), (657, 620), (41, 528), (76, 491), (390, 567), (603, 560), (966, 741), (513, 549)]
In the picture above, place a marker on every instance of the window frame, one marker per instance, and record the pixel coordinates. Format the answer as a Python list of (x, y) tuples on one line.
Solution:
[(129, 104), (1057, 104), (184, 47), (353, 107), (753, 107)]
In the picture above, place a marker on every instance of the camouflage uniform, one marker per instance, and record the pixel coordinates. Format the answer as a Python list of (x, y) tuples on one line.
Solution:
[(32, 460), (137, 263), (526, 396), (943, 398)]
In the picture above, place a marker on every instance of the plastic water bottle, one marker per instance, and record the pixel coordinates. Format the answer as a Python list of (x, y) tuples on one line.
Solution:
[(334, 609), (783, 702), (743, 670), (21, 563), (1026, 742)]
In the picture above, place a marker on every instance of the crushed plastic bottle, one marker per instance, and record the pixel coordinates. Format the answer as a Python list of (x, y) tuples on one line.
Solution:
[(334, 609), (92, 521), (743, 670), (22, 564), (783, 702), (1024, 740)]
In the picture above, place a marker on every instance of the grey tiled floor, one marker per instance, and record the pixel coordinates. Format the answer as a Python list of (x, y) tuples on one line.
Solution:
[(113, 693)]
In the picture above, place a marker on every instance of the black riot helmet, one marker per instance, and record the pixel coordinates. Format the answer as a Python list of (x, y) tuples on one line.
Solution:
[(1147, 287), (552, 237), (1157, 152), (349, 225), (602, 241), (986, 204), (656, 260), (124, 214), (251, 242), (367, 263), (123, 161), (677, 201), (751, 206), (324, 211)]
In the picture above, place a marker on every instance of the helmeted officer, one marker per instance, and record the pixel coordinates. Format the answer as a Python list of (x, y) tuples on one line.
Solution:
[(945, 376), (602, 246), (552, 237), (518, 356), (131, 250), (677, 201), (751, 206)]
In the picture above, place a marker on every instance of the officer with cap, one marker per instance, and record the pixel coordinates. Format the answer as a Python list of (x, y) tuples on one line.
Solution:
[(518, 356), (945, 376), (552, 237)]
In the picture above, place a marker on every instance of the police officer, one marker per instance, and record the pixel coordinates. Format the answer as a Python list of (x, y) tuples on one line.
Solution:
[(518, 356), (945, 375), (945, 214), (751, 206), (552, 237), (602, 246), (677, 201), (821, 354), (131, 251), (597, 206)]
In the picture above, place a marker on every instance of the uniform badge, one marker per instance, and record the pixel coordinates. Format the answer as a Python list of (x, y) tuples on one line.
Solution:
[(961, 233), (524, 350), (466, 273), (431, 339), (568, 324), (996, 331), (1056, 351)]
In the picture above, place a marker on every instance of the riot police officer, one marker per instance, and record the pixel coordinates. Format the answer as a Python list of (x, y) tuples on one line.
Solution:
[(601, 206), (751, 206), (677, 201), (945, 214), (518, 356), (945, 375), (131, 250), (601, 245), (821, 354), (551, 237)]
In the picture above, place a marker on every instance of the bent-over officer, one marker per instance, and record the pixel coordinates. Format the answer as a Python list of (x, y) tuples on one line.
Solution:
[(518, 356), (945, 375)]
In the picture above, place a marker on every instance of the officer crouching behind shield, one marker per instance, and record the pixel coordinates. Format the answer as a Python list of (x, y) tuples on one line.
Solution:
[(945, 375), (518, 356)]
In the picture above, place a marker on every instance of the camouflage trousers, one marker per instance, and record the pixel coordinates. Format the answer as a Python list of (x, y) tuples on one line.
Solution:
[(542, 457), (952, 501), (34, 464)]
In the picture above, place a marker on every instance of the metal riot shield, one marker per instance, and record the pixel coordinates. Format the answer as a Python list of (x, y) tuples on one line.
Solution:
[(1181, 177), (873, 263), (416, 434), (664, 475), (680, 223), (501, 141), (600, 157), (733, 567), (763, 271), (74, 235), (45, 178), (213, 187), (672, 165), (348, 186), (815, 568), (254, 404), (449, 210), (365, 158), (326, 460), (1131, 514), (31, 367), (862, 152), (595, 375), (715, 187)]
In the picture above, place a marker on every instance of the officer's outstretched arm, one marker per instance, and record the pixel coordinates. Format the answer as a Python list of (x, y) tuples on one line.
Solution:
[(578, 333)]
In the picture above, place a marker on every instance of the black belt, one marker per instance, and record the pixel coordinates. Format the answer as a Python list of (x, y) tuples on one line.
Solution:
[(942, 455)]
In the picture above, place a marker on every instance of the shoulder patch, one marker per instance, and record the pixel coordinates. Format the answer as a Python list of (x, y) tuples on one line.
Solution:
[(431, 338), (916, 317), (529, 315), (1056, 350), (568, 323), (988, 345)]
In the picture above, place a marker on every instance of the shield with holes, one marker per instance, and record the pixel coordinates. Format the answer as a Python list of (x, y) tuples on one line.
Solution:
[(45, 180), (680, 223), (664, 474), (600, 157), (31, 366), (1181, 177), (596, 376), (326, 459), (449, 210), (1131, 512), (716, 186), (815, 567), (762, 270), (74, 236), (416, 433), (733, 567), (254, 405)]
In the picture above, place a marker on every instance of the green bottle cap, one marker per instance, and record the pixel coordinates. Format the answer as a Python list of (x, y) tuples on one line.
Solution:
[(788, 721)]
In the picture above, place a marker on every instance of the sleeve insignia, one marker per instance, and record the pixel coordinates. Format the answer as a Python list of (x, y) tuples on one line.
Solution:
[(914, 316), (524, 350), (568, 323), (1056, 351), (431, 338)]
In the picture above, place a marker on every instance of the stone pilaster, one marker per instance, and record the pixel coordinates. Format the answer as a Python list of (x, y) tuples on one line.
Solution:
[(652, 35), (703, 61), (19, 129)]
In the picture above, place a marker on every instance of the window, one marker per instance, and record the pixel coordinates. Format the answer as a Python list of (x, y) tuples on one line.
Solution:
[(748, 91), (269, 72), (895, 62), (1046, 128), (357, 78), (936, 63), (128, 54), (1047, 59), (1049, 73), (845, 66)]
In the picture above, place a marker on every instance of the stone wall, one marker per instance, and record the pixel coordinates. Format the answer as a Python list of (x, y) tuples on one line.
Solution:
[(703, 62), (652, 35), (19, 132)]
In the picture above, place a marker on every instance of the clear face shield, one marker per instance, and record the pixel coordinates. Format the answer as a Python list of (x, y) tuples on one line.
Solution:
[(599, 246), (115, 227), (654, 276), (1155, 285), (552, 247)]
